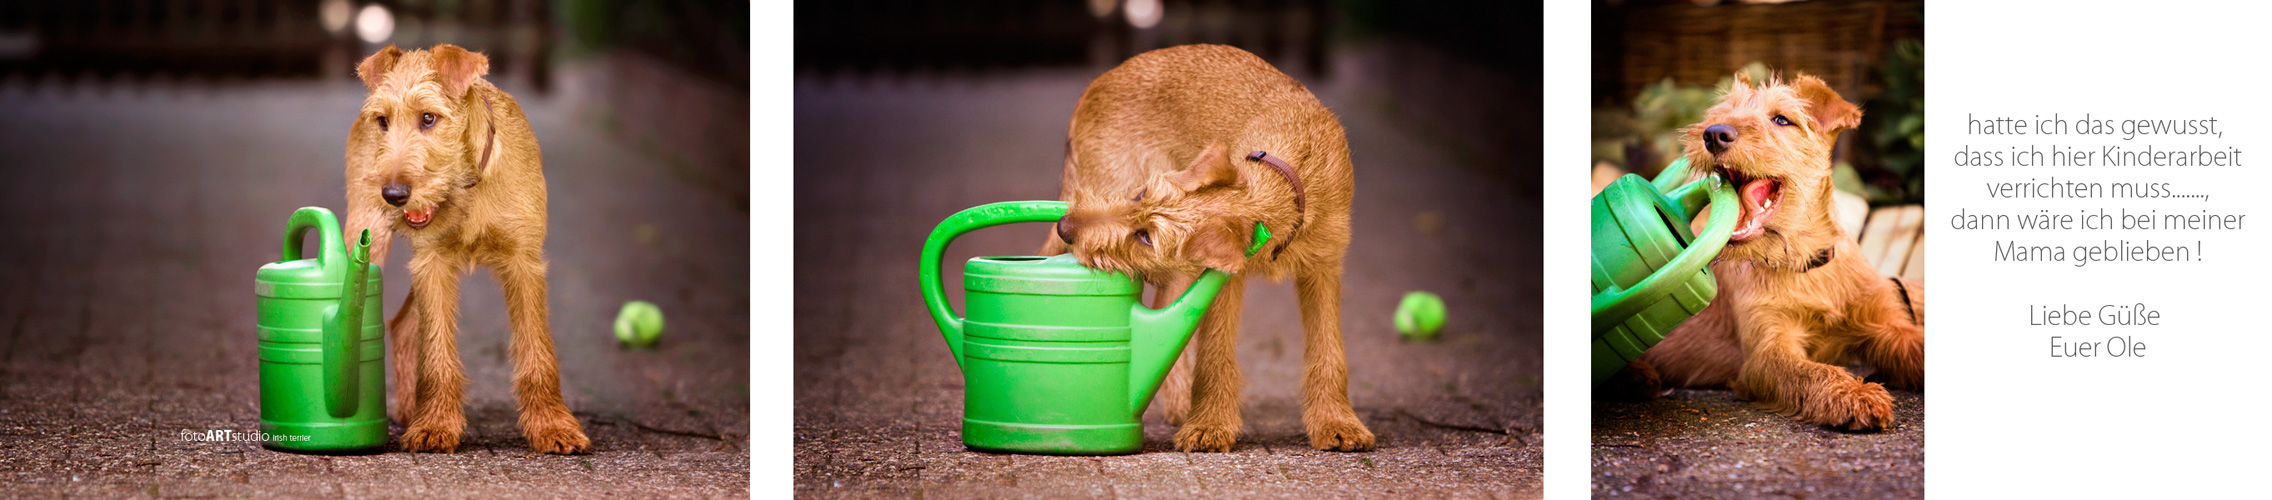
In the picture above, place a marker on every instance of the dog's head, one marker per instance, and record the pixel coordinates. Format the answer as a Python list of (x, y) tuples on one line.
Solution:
[(1178, 222), (417, 141), (1773, 141)]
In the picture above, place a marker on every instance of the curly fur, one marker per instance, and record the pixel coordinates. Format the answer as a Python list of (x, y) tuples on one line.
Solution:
[(1157, 148), (498, 223), (1780, 334)]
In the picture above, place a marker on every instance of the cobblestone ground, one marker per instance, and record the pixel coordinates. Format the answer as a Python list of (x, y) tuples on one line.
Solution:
[(133, 216), (1708, 444), (880, 159)]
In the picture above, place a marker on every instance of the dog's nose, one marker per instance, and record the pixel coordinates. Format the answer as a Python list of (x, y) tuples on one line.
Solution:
[(1718, 137), (1065, 230), (395, 193)]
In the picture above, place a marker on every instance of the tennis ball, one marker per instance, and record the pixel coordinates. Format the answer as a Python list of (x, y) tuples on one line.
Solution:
[(1420, 316), (640, 324)]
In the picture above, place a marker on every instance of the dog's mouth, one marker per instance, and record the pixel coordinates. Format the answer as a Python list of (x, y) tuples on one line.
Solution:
[(418, 218), (1759, 197)]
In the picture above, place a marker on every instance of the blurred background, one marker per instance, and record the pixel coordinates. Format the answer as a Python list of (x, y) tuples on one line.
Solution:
[(154, 148), (908, 111), (1657, 66)]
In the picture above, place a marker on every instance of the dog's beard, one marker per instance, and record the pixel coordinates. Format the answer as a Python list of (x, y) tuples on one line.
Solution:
[(1792, 239)]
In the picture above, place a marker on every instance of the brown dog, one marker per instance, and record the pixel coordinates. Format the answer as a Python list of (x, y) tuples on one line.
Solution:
[(1172, 159), (440, 155), (1797, 301)]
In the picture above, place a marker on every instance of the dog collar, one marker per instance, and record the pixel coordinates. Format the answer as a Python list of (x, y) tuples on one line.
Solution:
[(1820, 257), (1301, 198), (482, 167)]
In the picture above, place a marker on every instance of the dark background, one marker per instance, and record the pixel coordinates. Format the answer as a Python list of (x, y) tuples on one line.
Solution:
[(909, 111), (151, 151)]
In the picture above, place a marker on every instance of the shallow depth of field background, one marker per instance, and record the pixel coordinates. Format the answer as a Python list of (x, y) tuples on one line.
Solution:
[(153, 150), (907, 112)]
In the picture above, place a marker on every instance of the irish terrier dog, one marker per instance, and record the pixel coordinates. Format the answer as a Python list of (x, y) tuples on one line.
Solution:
[(1172, 161), (443, 157), (1798, 303)]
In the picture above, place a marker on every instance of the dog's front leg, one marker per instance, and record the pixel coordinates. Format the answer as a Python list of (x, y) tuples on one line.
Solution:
[(1214, 423), (1777, 375), (403, 345), (403, 332), (536, 373), (1332, 424), (441, 379), (1892, 341)]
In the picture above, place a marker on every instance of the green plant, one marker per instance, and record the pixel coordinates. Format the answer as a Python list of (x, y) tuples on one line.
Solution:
[(1893, 121)]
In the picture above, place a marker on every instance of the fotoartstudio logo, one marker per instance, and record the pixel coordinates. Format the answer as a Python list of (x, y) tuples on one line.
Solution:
[(237, 436)]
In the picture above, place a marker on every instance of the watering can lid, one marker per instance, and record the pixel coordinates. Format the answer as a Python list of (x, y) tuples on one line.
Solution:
[(1056, 275)]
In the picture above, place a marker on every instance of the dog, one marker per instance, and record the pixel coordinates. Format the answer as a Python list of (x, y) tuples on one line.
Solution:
[(1797, 303), (1173, 160), (441, 156)]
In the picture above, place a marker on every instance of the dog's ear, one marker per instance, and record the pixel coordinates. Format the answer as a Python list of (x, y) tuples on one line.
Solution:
[(458, 68), (1211, 168), (1831, 113), (1216, 246), (375, 68)]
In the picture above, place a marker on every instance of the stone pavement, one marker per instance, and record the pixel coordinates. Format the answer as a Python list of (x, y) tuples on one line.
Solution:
[(1708, 444), (881, 158), (133, 216)]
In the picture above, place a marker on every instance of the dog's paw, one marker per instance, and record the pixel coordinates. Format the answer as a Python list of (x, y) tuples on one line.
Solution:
[(559, 438), (1856, 407), (1205, 438), (425, 439), (1341, 434)]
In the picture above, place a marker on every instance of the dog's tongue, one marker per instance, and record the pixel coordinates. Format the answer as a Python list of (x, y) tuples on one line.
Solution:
[(1759, 202), (418, 216)]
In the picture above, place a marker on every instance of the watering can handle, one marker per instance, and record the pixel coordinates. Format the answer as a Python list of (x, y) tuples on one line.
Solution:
[(1611, 307), (971, 219), (328, 246)]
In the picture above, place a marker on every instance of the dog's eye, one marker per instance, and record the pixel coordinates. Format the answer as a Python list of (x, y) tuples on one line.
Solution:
[(382, 123), (1140, 195), (1780, 120), (1144, 236), (426, 120)]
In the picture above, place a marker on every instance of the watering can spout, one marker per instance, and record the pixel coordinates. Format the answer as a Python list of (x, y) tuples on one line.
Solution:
[(1160, 334), (343, 333)]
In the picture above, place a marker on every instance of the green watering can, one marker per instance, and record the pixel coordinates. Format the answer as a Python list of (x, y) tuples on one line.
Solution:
[(1056, 358), (1649, 272), (322, 343)]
